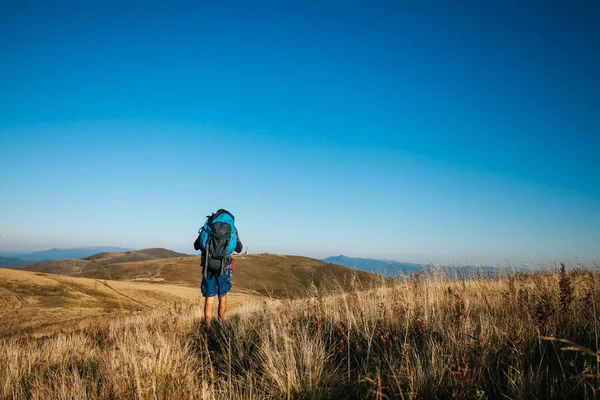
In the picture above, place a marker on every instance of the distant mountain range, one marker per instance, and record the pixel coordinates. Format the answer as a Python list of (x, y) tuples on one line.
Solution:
[(11, 262), (17, 259), (384, 267), (393, 268)]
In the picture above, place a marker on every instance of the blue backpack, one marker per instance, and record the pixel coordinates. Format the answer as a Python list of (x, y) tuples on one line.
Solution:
[(217, 240)]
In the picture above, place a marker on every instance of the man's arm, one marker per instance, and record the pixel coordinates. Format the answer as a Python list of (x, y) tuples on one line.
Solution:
[(238, 246)]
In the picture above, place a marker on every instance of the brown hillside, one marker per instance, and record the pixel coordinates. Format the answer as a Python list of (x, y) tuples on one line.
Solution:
[(137, 255), (280, 276), (76, 266), (269, 274), (37, 303), (60, 267)]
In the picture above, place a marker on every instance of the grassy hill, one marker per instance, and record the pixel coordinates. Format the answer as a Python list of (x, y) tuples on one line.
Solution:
[(283, 276), (64, 254), (65, 293), (135, 255), (38, 303), (77, 266), (267, 274)]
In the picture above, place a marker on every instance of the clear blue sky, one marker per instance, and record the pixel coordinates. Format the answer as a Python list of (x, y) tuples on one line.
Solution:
[(416, 131)]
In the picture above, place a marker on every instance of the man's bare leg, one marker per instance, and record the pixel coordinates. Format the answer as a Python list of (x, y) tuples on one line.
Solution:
[(222, 306), (208, 309)]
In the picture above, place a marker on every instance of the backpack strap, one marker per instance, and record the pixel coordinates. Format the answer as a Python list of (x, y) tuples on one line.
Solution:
[(224, 259), (206, 255)]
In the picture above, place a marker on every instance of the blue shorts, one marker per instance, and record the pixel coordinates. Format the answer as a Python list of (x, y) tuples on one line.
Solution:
[(213, 283)]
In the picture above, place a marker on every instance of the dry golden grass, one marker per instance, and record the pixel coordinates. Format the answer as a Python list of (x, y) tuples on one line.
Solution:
[(527, 336), (38, 304)]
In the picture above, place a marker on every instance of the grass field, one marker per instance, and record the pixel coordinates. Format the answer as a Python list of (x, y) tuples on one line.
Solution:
[(76, 293), (520, 337), (39, 304), (267, 274)]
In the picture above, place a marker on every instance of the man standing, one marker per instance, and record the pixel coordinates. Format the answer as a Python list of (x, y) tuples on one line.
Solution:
[(217, 240)]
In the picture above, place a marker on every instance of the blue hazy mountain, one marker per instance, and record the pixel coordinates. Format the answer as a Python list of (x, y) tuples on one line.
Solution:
[(393, 268), (385, 267), (11, 262), (11, 254), (62, 254)]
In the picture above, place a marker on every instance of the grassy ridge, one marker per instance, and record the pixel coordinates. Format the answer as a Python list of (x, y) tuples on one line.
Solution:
[(78, 266), (525, 336), (267, 274), (292, 276), (38, 303)]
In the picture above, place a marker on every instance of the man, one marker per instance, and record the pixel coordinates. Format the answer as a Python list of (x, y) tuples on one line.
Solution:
[(217, 239)]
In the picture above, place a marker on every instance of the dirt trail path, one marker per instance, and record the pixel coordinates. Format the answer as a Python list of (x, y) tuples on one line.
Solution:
[(122, 294), (18, 298), (159, 269)]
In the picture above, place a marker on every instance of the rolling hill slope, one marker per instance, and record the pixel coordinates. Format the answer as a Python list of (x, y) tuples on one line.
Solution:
[(268, 274), (64, 254), (63, 294), (37, 303), (78, 265)]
